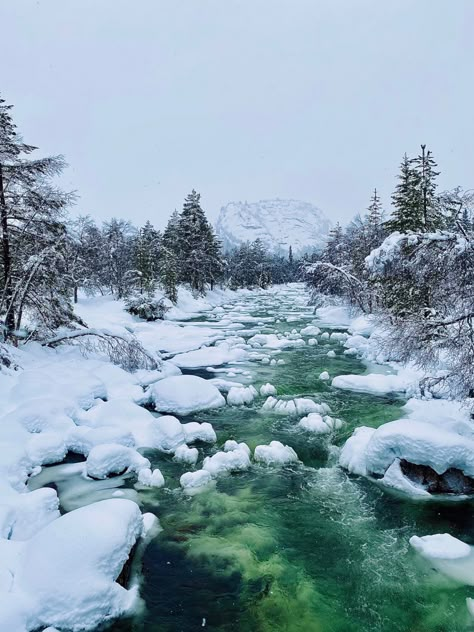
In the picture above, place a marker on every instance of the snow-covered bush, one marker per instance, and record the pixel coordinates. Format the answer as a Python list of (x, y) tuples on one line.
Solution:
[(147, 307)]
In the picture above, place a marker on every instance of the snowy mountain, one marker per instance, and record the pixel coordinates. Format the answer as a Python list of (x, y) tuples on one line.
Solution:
[(278, 223)]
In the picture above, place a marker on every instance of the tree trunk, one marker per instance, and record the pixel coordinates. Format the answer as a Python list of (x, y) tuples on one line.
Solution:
[(75, 294), (6, 260)]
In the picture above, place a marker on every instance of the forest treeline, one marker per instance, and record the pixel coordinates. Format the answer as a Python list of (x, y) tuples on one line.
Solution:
[(413, 268), (47, 256)]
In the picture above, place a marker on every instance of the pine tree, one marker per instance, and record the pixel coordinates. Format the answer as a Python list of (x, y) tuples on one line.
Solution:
[(119, 273), (199, 258), (290, 256), (146, 254), (407, 214), (425, 167), (335, 251), (32, 233), (167, 269)]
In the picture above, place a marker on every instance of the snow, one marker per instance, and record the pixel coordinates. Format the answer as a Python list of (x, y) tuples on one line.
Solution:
[(194, 431), (376, 383), (109, 458), (238, 396), (297, 406), (267, 389), (312, 342), (275, 454), (185, 394), (333, 316), (273, 341), (183, 454), (331, 354), (310, 330), (449, 556), (324, 376), (65, 575), (190, 481), (235, 458), (440, 546), (209, 356), (314, 422), (278, 223)]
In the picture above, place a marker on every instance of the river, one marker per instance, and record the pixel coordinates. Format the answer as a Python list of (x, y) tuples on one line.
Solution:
[(304, 548)]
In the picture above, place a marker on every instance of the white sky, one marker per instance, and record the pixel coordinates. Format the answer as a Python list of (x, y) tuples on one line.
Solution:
[(240, 99)]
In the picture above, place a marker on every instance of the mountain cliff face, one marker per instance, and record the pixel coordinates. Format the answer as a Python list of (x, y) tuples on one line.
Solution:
[(278, 223)]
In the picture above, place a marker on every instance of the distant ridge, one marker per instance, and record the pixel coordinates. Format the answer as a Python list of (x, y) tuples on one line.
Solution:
[(278, 223)]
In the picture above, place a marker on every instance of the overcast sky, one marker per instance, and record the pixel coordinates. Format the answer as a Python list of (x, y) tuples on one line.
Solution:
[(242, 100)]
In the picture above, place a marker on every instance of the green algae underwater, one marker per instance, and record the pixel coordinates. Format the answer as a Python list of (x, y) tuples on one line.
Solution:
[(303, 548)]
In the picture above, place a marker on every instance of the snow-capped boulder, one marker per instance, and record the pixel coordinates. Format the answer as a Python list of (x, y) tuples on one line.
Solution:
[(113, 458), (185, 394), (314, 422), (267, 389), (448, 555), (183, 454), (240, 395), (297, 406), (275, 454), (191, 481), (68, 570), (407, 453), (324, 376), (235, 459)]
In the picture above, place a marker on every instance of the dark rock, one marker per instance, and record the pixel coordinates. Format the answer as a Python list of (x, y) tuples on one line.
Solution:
[(453, 481)]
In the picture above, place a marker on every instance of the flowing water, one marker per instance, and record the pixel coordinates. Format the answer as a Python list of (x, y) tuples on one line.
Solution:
[(305, 548)]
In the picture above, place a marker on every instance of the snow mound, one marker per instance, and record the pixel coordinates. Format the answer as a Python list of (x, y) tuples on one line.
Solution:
[(209, 356), (318, 424), (186, 455), (374, 383), (415, 446), (310, 330), (240, 395), (324, 376), (275, 454), (236, 458), (185, 394), (68, 570), (194, 431), (297, 406), (448, 555), (267, 389), (111, 458), (194, 480)]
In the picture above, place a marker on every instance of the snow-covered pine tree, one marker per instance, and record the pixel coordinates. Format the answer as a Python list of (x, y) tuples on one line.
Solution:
[(168, 273), (118, 270), (198, 249), (408, 213), (33, 237), (425, 167), (146, 252)]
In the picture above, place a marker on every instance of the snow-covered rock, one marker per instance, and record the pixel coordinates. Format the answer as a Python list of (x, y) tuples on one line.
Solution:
[(194, 431), (314, 422), (324, 376), (235, 459), (183, 454), (190, 481), (112, 458), (66, 574), (407, 454), (448, 555), (275, 454), (238, 396), (209, 356), (185, 394), (375, 383), (278, 223), (267, 389), (297, 406), (331, 354), (310, 330)]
